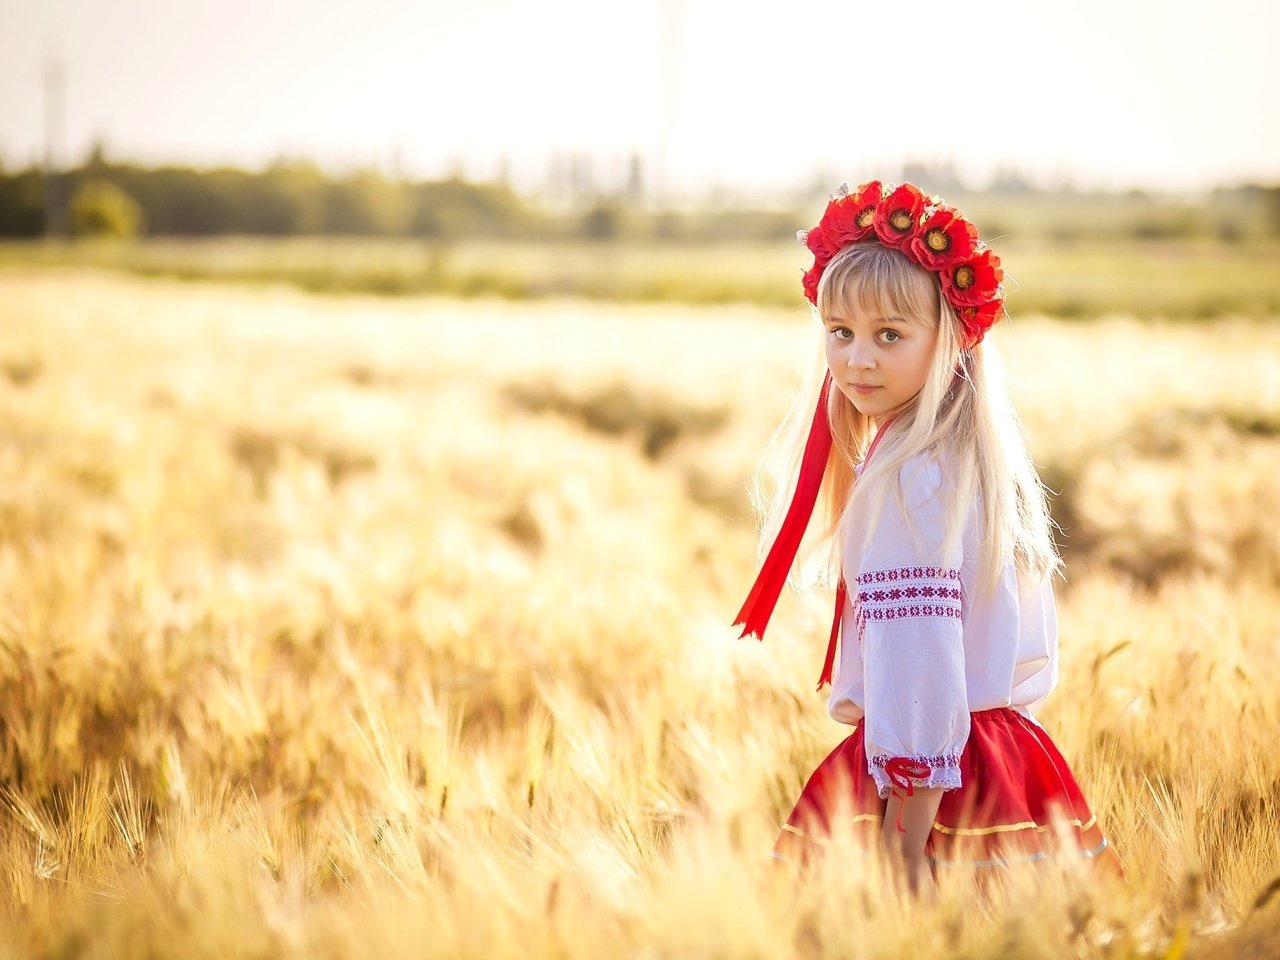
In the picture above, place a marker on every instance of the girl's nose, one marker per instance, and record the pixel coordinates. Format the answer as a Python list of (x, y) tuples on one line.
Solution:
[(860, 356)]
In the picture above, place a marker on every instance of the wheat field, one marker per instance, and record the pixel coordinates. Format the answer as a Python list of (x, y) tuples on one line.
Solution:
[(352, 627)]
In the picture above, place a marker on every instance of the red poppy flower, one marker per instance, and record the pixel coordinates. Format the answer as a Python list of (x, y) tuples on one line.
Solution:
[(976, 321), (897, 216), (810, 280), (972, 282), (943, 240), (849, 219), (820, 244)]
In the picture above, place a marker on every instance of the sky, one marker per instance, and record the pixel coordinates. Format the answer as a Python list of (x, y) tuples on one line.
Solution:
[(1175, 96)]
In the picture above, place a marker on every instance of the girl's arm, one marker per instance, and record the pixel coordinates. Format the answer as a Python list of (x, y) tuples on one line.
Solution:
[(909, 609)]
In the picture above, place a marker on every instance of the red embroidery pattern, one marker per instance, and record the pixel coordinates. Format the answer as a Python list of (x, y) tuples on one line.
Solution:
[(909, 593), (915, 610), (938, 587), (909, 573)]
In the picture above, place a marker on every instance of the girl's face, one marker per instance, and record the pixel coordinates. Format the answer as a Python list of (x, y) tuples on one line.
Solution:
[(879, 362)]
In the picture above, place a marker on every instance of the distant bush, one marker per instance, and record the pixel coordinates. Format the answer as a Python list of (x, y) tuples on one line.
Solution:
[(602, 222), (99, 208)]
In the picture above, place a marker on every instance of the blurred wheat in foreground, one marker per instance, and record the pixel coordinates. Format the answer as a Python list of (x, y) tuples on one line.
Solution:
[(353, 628)]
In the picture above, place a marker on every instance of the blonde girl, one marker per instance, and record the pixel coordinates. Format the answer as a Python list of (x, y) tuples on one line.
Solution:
[(935, 518)]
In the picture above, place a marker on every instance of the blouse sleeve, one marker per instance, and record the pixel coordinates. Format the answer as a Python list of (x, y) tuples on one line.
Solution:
[(908, 610)]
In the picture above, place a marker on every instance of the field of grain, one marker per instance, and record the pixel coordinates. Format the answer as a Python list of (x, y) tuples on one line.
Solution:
[(377, 628)]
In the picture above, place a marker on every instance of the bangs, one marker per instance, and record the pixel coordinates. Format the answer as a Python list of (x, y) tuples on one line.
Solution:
[(878, 281)]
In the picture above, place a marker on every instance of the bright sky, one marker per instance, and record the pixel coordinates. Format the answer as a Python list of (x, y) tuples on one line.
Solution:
[(1177, 95)]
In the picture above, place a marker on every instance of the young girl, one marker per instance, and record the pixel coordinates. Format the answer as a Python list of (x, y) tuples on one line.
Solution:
[(944, 608)]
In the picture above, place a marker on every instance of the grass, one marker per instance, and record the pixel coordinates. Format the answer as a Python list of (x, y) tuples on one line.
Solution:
[(384, 627), (1068, 279)]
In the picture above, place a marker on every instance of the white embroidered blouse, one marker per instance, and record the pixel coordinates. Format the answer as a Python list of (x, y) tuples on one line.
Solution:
[(917, 654)]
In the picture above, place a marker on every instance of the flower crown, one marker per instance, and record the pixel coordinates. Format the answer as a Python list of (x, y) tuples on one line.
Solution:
[(931, 233)]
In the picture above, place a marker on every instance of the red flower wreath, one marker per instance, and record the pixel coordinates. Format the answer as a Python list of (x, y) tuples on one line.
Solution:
[(930, 233)]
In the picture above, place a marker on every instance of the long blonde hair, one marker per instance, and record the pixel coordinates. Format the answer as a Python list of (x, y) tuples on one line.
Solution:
[(963, 415)]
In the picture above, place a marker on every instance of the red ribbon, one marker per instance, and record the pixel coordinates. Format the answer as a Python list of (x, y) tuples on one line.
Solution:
[(758, 608), (900, 770), (828, 664)]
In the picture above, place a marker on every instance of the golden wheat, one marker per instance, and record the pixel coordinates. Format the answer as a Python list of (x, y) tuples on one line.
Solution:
[(364, 628)]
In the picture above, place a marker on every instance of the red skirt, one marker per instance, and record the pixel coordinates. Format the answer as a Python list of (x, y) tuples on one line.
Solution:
[(1017, 801)]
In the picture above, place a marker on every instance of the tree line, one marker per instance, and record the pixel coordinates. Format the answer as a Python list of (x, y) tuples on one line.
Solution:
[(296, 198)]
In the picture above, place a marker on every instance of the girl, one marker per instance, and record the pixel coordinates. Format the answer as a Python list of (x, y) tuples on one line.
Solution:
[(944, 608)]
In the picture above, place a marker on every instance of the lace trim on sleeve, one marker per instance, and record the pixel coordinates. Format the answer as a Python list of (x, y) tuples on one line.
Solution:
[(910, 772)]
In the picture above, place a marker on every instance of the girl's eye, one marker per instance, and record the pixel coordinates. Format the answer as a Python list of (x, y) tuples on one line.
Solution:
[(845, 334)]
